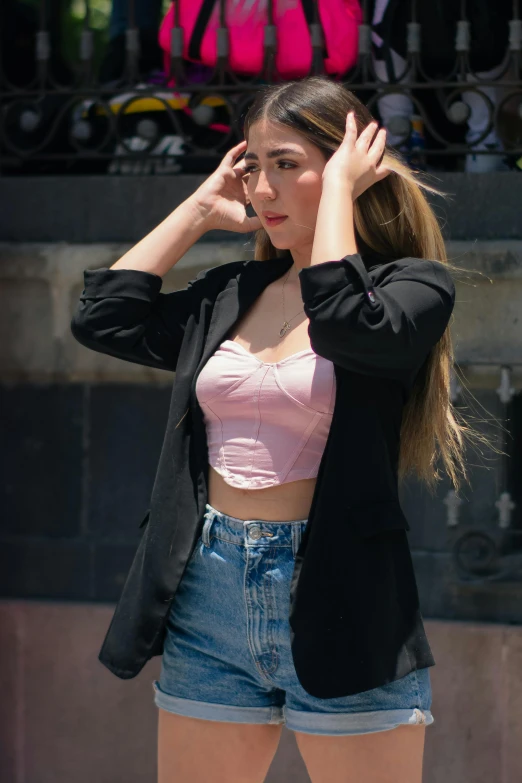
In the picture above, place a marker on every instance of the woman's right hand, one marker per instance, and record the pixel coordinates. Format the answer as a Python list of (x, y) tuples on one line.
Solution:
[(222, 198)]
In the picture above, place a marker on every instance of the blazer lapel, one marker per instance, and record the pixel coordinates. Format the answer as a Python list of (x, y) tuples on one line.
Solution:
[(231, 303)]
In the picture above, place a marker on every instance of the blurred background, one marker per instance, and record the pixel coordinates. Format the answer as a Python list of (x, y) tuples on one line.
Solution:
[(111, 115)]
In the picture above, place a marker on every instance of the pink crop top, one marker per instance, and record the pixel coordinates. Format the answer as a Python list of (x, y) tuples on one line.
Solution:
[(266, 422)]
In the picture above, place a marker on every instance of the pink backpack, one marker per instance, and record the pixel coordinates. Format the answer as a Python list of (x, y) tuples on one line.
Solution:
[(246, 19)]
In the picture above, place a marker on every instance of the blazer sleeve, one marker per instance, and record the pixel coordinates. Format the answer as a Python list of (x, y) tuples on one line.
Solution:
[(121, 312), (384, 329)]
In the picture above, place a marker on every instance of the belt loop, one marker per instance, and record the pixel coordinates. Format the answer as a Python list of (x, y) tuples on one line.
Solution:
[(205, 533), (296, 538)]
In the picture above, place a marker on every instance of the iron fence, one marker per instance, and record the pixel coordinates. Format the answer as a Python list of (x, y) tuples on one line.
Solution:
[(459, 111)]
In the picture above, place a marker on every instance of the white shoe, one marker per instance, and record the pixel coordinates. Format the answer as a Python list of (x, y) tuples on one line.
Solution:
[(481, 164)]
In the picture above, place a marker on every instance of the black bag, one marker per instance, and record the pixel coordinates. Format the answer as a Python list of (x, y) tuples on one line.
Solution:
[(438, 19)]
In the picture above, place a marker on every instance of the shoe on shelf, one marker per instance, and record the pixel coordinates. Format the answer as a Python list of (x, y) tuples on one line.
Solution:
[(483, 162)]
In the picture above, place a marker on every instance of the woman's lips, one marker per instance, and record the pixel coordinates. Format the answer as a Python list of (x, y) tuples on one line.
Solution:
[(275, 221)]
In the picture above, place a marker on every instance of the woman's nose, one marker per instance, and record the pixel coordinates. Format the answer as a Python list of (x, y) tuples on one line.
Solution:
[(263, 185)]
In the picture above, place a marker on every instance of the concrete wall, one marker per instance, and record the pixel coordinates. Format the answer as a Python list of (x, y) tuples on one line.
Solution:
[(41, 283), (100, 208)]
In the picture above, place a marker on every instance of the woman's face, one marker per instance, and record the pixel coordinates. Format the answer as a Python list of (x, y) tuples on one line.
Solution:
[(289, 183)]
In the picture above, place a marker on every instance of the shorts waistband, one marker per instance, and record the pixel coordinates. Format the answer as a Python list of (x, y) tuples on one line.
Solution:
[(252, 532)]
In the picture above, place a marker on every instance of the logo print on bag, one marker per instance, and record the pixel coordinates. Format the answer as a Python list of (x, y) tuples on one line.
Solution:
[(246, 9)]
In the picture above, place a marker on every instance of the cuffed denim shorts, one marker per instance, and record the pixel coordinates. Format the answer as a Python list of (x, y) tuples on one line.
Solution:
[(227, 654)]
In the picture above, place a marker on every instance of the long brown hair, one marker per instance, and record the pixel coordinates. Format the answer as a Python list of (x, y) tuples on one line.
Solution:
[(392, 218)]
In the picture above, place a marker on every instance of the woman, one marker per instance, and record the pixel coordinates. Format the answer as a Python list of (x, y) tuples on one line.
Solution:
[(276, 494)]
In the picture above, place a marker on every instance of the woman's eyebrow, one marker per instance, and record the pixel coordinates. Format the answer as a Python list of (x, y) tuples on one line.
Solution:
[(274, 153)]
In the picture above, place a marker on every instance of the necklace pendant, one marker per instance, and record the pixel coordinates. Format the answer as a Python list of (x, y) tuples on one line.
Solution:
[(283, 331)]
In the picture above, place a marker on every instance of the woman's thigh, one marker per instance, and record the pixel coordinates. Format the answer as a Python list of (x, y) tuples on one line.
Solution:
[(378, 757), (192, 750)]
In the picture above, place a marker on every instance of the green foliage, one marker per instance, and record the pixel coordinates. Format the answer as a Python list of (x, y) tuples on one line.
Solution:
[(72, 21)]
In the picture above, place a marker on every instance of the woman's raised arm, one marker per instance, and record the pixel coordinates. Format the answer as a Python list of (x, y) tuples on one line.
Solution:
[(121, 311), (385, 329)]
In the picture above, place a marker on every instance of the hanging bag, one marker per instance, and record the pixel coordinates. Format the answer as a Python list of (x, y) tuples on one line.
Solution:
[(489, 27), (246, 23)]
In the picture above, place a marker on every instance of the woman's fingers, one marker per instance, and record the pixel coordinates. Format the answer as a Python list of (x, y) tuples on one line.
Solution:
[(254, 223), (351, 128), (239, 168), (381, 172), (366, 137), (376, 151), (234, 153)]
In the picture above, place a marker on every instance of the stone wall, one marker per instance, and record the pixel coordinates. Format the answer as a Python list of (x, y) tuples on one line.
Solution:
[(82, 431)]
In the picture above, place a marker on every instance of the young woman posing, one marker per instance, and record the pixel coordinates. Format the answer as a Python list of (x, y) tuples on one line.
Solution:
[(296, 371)]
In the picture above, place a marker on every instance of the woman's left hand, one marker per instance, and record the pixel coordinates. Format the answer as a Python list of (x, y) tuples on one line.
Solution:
[(358, 161)]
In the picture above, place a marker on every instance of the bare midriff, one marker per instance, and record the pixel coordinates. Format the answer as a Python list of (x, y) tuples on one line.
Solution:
[(281, 503)]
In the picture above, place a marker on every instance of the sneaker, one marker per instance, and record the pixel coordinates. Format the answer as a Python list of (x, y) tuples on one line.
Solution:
[(483, 163)]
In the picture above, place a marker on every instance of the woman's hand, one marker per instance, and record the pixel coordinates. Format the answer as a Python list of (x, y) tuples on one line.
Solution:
[(221, 199), (357, 162)]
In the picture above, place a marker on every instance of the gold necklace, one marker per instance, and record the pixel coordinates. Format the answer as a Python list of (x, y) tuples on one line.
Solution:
[(286, 324)]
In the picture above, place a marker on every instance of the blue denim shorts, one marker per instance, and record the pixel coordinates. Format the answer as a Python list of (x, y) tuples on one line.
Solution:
[(227, 654)]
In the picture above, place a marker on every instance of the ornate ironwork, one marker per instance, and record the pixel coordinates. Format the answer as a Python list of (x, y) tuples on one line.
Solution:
[(75, 121), (491, 551)]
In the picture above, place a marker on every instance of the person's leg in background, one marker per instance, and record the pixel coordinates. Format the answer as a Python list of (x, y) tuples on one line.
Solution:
[(147, 18), (479, 119), (489, 56), (395, 108), (489, 37)]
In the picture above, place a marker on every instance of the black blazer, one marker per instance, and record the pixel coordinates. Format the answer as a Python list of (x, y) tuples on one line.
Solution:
[(354, 609)]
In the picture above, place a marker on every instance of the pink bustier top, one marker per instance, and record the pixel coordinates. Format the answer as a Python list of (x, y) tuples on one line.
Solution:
[(266, 422)]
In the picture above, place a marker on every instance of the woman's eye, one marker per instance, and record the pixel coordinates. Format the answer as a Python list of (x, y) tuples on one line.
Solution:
[(249, 169)]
